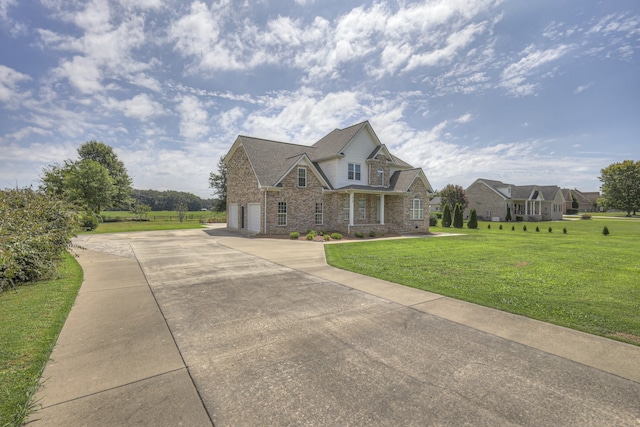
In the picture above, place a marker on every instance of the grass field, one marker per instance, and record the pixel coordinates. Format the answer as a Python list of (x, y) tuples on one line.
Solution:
[(581, 280), (29, 327), (122, 221)]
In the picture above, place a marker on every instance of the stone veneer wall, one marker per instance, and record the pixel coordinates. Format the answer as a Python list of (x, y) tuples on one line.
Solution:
[(242, 184), (301, 204), (379, 162)]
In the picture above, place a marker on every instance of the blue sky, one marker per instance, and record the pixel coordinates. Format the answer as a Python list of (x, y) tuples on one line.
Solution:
[(527, 92)]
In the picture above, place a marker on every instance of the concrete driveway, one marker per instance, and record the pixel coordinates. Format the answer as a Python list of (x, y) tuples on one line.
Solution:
[(268, 344)]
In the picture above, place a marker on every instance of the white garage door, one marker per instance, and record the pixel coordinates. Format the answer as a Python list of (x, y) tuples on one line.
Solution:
[(232, 216), (254, 217)]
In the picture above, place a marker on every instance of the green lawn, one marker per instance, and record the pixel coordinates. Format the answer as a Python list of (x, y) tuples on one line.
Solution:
[(30, 323), (581, 280), (119, 221)]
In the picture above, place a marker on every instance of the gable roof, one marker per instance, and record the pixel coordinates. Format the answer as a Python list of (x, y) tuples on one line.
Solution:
[(334, 143), (522, 192), (271, 160)]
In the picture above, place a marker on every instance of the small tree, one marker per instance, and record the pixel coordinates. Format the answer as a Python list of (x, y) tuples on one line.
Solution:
[(446, 216), (473, 220), (140, 210), (605, 231), (457, 217), (508, 217), (218, 181), (182, 209)]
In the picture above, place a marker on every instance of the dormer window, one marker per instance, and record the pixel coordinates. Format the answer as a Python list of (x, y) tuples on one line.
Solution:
[(302, 177), (354, 172), (380, 176)]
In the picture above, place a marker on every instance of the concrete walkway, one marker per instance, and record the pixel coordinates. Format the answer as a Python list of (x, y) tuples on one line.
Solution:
[(146, 345)]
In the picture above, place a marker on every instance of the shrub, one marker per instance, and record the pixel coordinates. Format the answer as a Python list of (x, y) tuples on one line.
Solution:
[(36, 229), (336, 236), (88, 221), (519, 218), (294, 235), (457, 217), (372, 233), (310, 231), (524, 228), (605, 231), (489, 226), (513, 228), (327, 237), (500, 227), (433, 221), (564, 230), (508, 217), (473, 220), (537, 229), (550, 230), (446, 216), (310, 236), (358, 234)]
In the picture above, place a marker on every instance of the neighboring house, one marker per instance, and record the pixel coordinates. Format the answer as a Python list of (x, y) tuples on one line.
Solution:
[(491, 200), (585, 202), (347, 182), (434, 204)]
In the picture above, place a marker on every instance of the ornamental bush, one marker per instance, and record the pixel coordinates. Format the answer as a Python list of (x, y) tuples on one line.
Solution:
[(457, 217), (294, 235), (336, 236), (473, 220), (605, 231), (35, 229), (446, 216), (433, 221)]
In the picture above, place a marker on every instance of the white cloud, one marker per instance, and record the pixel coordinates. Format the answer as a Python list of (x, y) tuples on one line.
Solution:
[(10, 80), (582, 88), (141, 107), (193, 117), (514, 77)]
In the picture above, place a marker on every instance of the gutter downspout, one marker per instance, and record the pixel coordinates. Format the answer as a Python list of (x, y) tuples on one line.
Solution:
[(265, 212)]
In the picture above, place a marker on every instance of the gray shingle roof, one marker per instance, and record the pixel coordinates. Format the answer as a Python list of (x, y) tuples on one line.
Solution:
[(333, 143), (523, 192)]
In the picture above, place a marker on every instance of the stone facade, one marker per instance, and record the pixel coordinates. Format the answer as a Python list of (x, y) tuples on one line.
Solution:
[(242, 185)]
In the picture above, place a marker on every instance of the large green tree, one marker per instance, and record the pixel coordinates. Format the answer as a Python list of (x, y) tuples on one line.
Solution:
[(103, 154), (97, 180), (621, 186), (218, 181), (453, 195), (88, 183)]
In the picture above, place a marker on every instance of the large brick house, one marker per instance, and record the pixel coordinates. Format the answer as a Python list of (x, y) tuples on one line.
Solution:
[(347, 182), (492, 199)]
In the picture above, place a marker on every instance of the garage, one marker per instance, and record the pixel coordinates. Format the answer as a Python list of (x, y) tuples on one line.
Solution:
[(232, 216), (253, 224)]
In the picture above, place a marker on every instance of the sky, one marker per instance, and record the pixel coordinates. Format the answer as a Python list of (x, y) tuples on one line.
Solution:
[(540, 92)]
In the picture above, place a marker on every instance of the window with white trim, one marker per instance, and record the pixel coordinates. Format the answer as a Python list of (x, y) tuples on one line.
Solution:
[(319, 216), (354, 172), (302, 177), (416, 209), (282, 213), (380, 176), (345, 208), (362, 208)]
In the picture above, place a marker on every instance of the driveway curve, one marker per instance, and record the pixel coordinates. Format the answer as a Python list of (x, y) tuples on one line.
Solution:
[(267, 344)]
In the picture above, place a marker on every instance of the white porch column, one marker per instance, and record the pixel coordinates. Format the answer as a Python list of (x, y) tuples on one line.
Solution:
[(351, 202), (382, 209), (526, 207)]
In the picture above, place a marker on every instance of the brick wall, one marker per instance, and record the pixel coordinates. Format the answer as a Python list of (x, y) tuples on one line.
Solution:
[(485, 201), (242, 185)]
